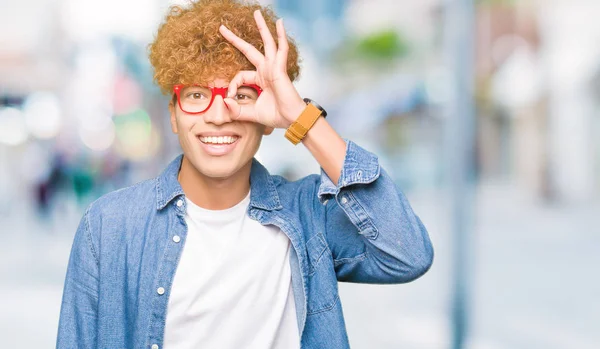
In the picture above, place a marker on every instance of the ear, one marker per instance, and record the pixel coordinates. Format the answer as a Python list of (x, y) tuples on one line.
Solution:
[(268, 131), (173, 117)]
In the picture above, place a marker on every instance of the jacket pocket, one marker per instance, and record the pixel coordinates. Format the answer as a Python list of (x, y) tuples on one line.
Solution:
[(322, 282)]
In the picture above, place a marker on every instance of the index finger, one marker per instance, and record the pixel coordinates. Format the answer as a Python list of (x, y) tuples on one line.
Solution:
[(253, 55), (240, 112), (241, 78)]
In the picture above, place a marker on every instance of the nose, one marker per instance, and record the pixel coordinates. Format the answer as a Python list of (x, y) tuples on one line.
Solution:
[(218, 113)]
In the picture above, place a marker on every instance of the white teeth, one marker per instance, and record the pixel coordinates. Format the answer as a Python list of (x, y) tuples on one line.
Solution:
[(219, 140)]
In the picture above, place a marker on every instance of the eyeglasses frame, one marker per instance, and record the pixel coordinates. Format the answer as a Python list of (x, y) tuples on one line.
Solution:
[(222, 91)]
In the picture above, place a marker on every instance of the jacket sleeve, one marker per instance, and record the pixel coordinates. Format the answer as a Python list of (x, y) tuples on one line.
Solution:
[(372, 232), (78, 314)]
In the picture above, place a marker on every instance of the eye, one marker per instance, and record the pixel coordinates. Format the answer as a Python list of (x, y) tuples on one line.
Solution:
[(246, 94), (241, 96), (196, 95)]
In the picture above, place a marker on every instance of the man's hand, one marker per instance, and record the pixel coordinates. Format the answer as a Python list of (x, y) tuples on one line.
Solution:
[(279, 104)]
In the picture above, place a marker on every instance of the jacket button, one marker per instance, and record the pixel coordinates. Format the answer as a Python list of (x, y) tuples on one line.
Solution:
[(344, 200), (154, 346), (176, 238), (179, 203), (160, 291)]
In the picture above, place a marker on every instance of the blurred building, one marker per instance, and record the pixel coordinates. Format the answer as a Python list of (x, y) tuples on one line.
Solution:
[(536, 96)]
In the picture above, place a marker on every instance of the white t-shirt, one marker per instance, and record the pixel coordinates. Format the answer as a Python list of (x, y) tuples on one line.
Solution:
[(232, 288)]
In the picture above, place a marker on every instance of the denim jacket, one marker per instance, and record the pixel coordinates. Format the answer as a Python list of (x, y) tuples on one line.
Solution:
[(126, 249)]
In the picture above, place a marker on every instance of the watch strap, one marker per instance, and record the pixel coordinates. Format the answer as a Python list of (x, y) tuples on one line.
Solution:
[(299, 128)]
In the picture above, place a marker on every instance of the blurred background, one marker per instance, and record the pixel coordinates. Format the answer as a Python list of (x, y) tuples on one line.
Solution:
[(493, 133)]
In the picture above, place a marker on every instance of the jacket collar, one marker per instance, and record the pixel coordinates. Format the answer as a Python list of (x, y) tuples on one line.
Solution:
[(263, 192)]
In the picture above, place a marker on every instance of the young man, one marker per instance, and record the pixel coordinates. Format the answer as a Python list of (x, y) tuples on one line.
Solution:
[(215, 252)]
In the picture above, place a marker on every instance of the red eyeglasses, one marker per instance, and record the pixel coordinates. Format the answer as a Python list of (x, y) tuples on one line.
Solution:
[(194, 99)]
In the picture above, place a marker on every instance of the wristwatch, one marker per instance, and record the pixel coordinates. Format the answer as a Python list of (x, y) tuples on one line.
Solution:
[(323, 112), (299, 128)]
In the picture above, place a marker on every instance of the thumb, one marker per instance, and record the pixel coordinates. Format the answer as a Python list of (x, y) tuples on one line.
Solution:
[(239, 112)]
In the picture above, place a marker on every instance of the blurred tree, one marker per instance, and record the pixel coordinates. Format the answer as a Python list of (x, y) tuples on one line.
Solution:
[(386, 45), (373, 50)]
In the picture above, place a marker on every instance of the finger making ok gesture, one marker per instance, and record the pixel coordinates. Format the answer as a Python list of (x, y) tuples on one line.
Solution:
[(279, 104)]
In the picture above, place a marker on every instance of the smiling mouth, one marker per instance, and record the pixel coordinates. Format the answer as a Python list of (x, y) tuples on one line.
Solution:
[(220, 140)]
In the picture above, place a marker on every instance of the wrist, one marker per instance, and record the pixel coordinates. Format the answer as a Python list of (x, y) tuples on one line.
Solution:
[(294, 112), (298, 129)]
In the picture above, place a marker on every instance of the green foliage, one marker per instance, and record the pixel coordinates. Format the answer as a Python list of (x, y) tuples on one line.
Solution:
[(383, 45)]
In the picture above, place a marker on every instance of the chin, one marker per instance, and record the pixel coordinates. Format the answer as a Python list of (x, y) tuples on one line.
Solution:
[(218, 168), (217, 173)]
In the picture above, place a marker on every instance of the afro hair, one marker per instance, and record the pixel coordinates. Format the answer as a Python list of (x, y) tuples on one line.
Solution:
[(189, 49)]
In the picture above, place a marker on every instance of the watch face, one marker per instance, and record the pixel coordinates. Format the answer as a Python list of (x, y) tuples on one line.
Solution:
[(323, 112)]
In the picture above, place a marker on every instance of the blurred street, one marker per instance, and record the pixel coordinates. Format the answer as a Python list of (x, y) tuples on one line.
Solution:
[(533, 298), (500, 96)]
